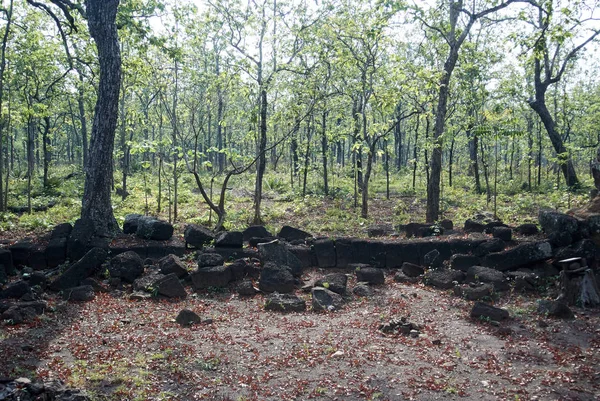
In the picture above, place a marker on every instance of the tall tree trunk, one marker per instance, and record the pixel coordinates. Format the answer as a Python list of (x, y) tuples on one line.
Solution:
[(262, 158), (8, 13), (324, 148), (220, 155), (46, 149), (96, 202)]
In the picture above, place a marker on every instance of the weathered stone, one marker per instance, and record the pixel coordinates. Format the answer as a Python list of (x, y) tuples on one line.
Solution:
[(172, 264), (229, 239), (555, 222), (444, 279), (371, 275), (246, 288), (474, 292), (418, 230), (212, 276), (276, 278), (472, 226), (487, 247), (255, 232), (79, 240), (239, 269), (187, 318), (254, 241), (146, 248), (503, 233), (148, 281), (524, 281), (6, 260), (326, 300), (197, 236), (285, 303), (206, 259), (61, 231), (82, 293), (292, 234), (278, 254), (412, 270), (367, 252), (481, 274), (170, 286), (527, 229), (56, 251), (127, 266), (484, 311), (520, 256), (152, 228), (585, 248), (559, 239), (130, 225), (28, 253), (335, 282), (363, 290), (381, 230), (556, 309), (463, 262), (447, 224), (18, 314), (401, 277), (432, 259), (88, 265), (15, 290), (324, 250), (305, 255)]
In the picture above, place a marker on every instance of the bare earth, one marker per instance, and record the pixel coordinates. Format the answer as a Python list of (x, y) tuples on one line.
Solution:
[(120, 349)]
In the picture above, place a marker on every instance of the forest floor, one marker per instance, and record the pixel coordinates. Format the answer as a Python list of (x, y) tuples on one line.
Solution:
[(121, 349)]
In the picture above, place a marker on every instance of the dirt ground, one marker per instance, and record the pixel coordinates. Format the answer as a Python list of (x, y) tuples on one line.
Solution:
[(121, 349)]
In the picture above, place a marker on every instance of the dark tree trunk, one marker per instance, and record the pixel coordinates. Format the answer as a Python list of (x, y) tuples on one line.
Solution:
[(8, 14), (324, 148), (220, 155), (96, 202), (262, 158), (46, 146)]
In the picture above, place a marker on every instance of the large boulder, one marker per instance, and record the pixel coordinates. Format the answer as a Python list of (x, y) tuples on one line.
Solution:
[(285, 303), (170, 286), (6, 260), (197, 236), (325, 252), (130, 225), (230, 239), (335, 282), (503, 233), (481, 274), (56, 251), (293, 234), (412, 270), (487, 247), (188, 318), (22, 312), (255, 232), (28, 253), (127, 266), (474, 292), (152, 228), (172, 264), (83, 293), (326, 300), (444, 279), (15, 290), (276, 278), (212, 276), (88, 265), (371, 275), (278, 254), (463, 262), (554, 222), (555, 309), (519, 256), (484, 311), (79, 240), (527, 229), (206, 259)]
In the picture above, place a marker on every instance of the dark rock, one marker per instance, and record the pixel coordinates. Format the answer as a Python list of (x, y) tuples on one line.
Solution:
[(96, 285), (555, 222), (239, 269), (255, 232), (324, 250), (197, 236), (519, 256), (480, 274), (363, 290), (285, 303), (326, 300), (212, 276), (472, 226), (38, 279), (463, 262), (380, 231), (148, 281), (82, 293), (147, 249), (231, 254), (79, 240), (15, 290), (3, 275), (254, 241), (344, 252), (492, 225), (61, 231), (292, 234), (560, 238), (170, 286), (419, 230), (246, 288), (412, 270), (56, 251), (230, 239), (484, 311), (503, 233), (432, 259), (278, 254), (127, 266), (6, 260), (366, 252), (130, 225), (524, 281), (487, 247), (474, 292), (172, 264), (447, 224), (556, 309), (210, 259), (152, 228), (88, 265), (371, 275), (187, 318), (335, 282), (401, 277), (18, 314), (21, 252), (527, 229), (444, 279), (585, 248), (276, 278)]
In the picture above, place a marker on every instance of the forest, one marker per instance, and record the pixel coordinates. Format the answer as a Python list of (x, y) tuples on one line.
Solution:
[(446, 108)]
